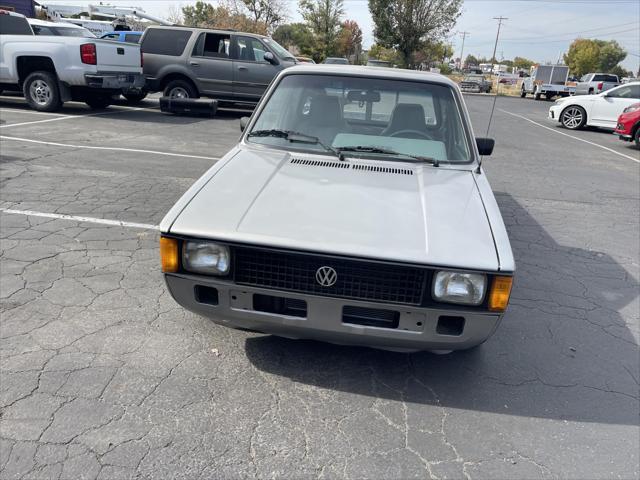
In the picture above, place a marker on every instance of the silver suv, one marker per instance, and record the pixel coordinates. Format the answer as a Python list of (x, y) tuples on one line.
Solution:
[(233, 66)]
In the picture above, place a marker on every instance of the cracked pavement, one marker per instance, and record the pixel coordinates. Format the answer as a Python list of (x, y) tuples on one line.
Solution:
[(104, 376)]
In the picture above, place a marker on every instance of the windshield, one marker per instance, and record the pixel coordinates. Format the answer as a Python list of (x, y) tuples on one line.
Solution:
[(55, 30), (411, 118), (282, 52), (475, 78)]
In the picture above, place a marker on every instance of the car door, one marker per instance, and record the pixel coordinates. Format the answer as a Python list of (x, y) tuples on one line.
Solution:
[(251, 72), (609, 105), (211, 64)]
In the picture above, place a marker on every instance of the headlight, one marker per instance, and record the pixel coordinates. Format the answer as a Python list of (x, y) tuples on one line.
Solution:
[(457, 287), (205, 257)]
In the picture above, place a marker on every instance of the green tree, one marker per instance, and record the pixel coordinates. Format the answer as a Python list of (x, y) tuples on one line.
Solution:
[(378, 52), (406, 24), (522, 63), (471, 60), (620, 71), (201, 14), (295, 35), (611, 54), (585, 56), (349, 42), (269, 12), (323, 19)]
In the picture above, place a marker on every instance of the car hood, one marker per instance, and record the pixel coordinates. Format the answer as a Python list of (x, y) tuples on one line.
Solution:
[(386, 210)]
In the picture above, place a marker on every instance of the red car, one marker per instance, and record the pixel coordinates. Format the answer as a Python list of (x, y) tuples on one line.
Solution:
[(628, 127)]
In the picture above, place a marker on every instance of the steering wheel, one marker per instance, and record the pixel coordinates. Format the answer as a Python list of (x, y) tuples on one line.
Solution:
[(412, 134)]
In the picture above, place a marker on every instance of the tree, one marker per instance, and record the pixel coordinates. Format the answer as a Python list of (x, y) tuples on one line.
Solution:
[(585, 56), (522, 63), (378, 52), (406, 24), (269, 12), (227, 15), (471, 60), (620, 71), (295, 35), (323, 19), (349, 42)]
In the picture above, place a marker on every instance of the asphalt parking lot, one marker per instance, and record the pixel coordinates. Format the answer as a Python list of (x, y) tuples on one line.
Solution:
[(104, 376)]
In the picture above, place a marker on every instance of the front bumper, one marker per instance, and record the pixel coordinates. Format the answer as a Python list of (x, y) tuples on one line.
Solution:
[(126, 82), (417, 328), (554, 112)]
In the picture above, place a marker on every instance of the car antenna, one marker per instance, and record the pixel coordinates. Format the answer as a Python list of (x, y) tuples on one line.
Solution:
[(493, 58)]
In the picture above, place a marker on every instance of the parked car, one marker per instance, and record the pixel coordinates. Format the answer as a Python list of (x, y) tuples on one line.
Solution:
[(61, 29), (475, 83), (300, 59), (601, 110), (593, 83), (628, 125), (336, 61), (372, 62), (193, 62), (123, 36), (353, 210), (547, 80), (50, 71)]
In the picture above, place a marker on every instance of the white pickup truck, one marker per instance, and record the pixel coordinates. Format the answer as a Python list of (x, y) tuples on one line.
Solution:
[(50, 70)]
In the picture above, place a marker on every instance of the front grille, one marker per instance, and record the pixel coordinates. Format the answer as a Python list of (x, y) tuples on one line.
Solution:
[(356, 279)]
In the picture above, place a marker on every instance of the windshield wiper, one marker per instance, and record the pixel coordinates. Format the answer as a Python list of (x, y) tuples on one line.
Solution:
[(293, 137), (385, 151)]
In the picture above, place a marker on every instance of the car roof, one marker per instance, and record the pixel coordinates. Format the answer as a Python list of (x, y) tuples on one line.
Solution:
[(370, 72), (44, 23), (198, 29)]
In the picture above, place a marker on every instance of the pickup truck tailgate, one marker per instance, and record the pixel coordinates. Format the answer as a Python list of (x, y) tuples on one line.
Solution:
[(118, 56)]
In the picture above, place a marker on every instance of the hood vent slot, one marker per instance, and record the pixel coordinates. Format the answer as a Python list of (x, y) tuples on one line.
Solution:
[(319, 163), (352, 166), (375, 168)]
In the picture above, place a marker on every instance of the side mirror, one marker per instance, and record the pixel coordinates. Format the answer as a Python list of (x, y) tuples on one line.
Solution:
[(268, 56), (485, 146), (244, 121)]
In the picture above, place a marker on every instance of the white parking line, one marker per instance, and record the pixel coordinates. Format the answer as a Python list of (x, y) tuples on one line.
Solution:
[(570, 136), (120, 109), (32, 112), (115, 149), (102, 221)]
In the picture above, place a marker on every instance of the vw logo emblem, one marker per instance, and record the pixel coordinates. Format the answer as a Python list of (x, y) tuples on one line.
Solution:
[(326, 276)]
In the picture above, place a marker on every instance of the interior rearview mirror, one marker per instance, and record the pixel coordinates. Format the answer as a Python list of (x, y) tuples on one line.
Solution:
[(268, 56), (244, 121), (485, 145)]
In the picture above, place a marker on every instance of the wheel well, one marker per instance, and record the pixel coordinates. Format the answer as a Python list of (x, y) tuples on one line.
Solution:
[(27, 65), (635, 128), (176, 76)]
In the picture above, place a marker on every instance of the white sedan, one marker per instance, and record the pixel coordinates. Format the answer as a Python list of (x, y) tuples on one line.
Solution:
[(600, 110)]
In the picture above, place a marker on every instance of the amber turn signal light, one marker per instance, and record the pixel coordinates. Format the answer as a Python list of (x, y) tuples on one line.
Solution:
[(500, 293), (169, 254)]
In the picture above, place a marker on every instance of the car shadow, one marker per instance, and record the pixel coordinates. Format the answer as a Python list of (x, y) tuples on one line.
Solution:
[(563, 351)]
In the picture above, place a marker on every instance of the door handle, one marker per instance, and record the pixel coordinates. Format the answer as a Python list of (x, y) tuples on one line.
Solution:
[(244, 69), (195, 64)]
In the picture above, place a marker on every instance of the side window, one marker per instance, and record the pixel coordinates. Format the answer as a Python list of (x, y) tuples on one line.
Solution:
[(132, 37), (164, 41), (622, 92), (212, 45), (14, 25), (628, 91), (598, 78), (250, 50), (112, 36), (610, 78)]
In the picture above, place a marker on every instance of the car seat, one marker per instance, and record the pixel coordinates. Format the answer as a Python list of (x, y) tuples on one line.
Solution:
[(406, 116), (325, 118)]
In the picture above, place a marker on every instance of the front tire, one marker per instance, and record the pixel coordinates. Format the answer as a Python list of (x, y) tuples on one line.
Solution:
[(98, 102), (573, 117), (41, 91), (180, 89), (523, 93), (636, 138)]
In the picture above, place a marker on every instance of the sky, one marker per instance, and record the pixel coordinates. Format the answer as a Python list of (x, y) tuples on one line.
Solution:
[(540, 30)]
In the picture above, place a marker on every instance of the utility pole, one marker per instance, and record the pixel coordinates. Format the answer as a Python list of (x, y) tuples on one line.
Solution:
[(464, 36), (493, 57)]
